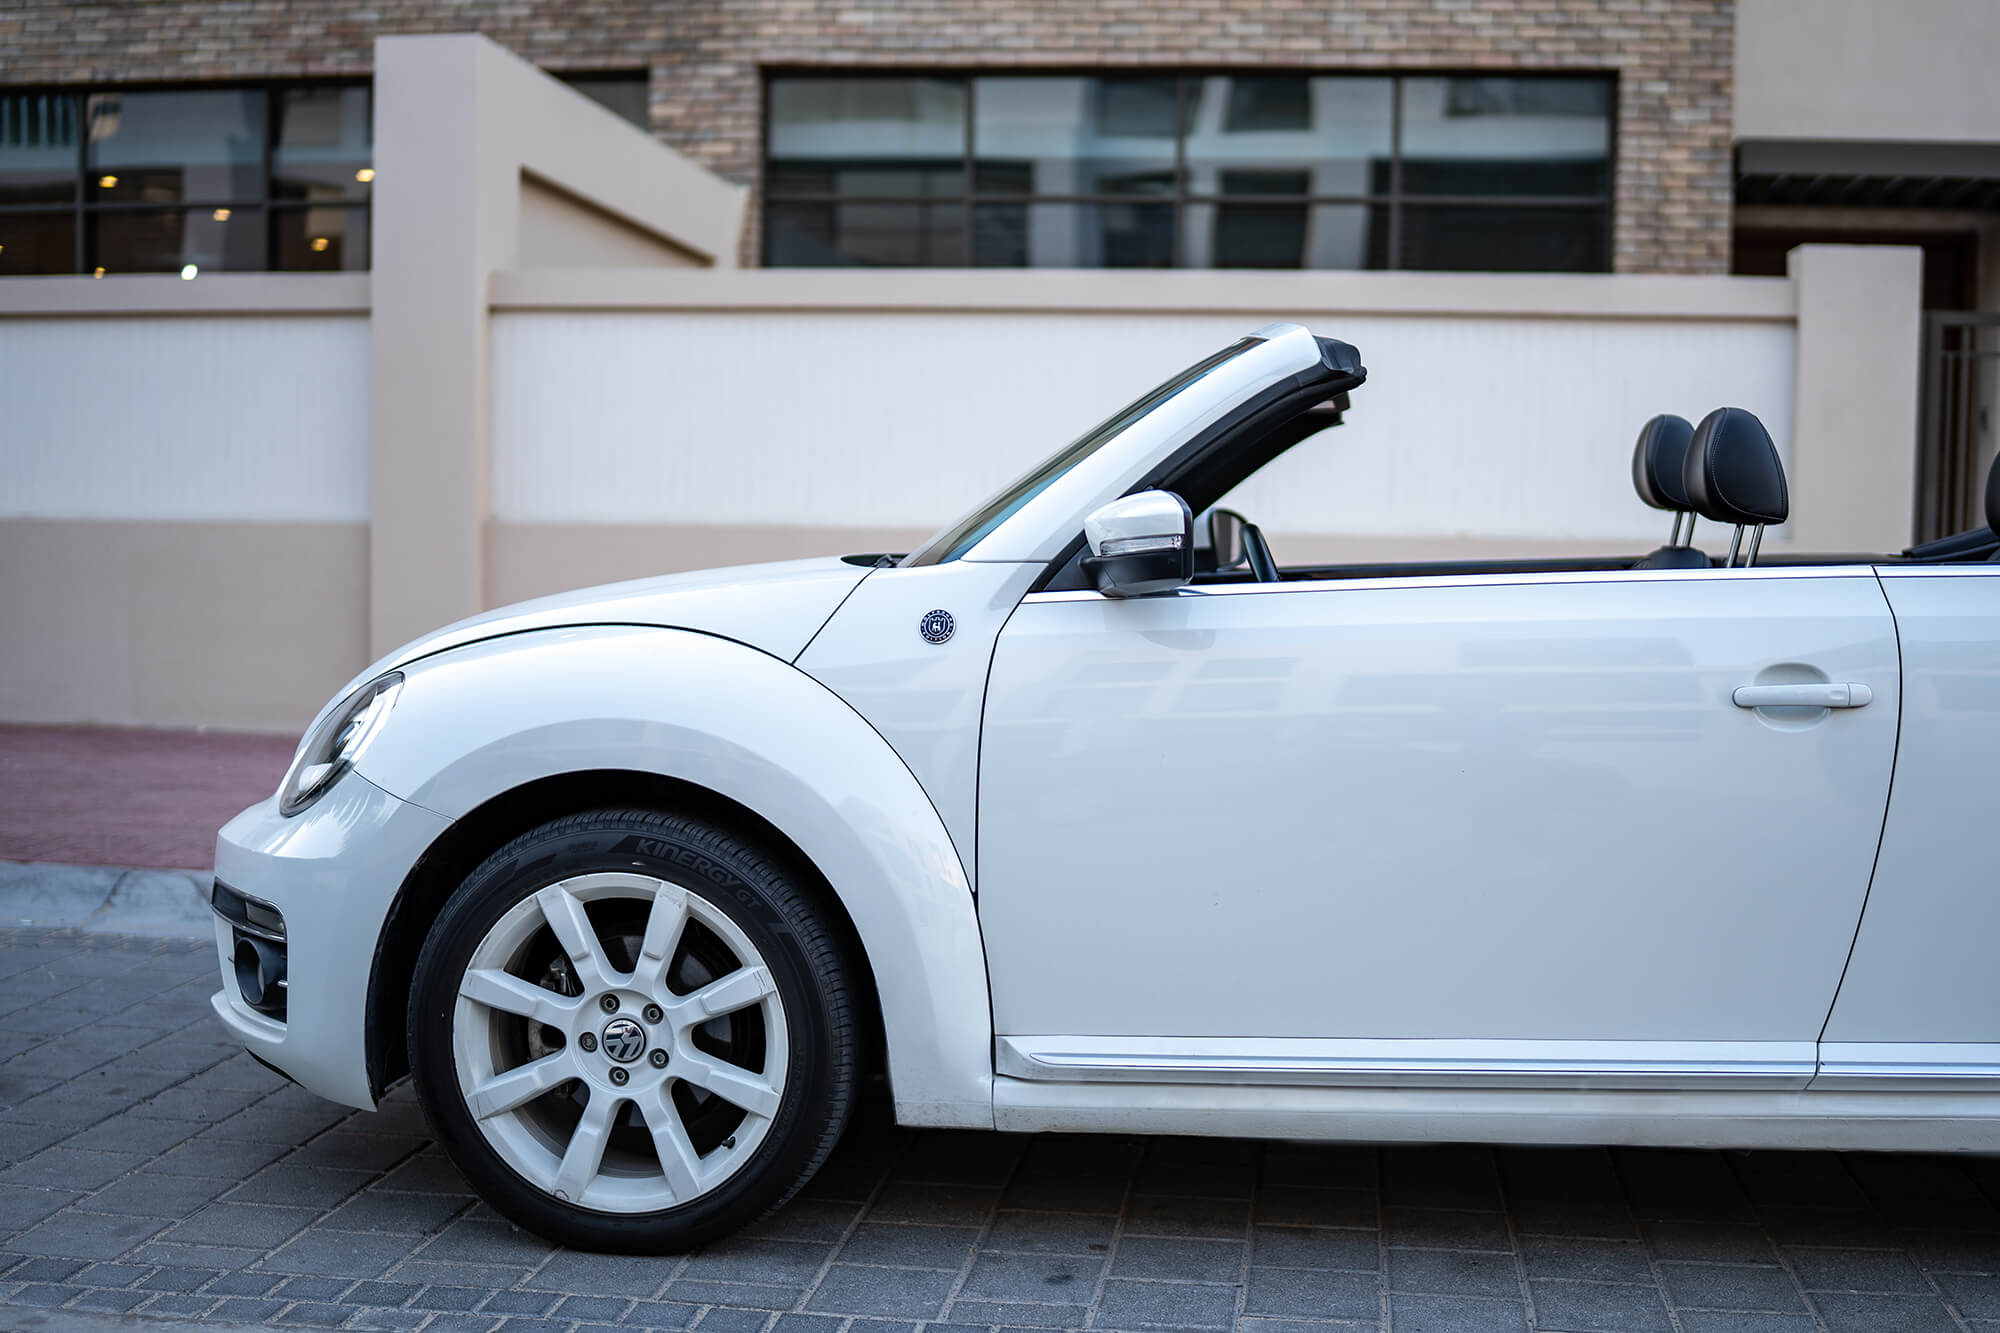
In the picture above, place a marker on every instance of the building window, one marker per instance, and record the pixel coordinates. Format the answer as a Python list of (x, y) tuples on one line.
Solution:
[(213, 179), (1189, 171), (625, 93)]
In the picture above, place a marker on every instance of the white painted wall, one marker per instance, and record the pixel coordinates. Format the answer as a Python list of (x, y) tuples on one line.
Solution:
[(204, 417), (1469, 425)]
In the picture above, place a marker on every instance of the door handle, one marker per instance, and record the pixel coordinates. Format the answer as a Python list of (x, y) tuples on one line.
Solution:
[(1813, 695)]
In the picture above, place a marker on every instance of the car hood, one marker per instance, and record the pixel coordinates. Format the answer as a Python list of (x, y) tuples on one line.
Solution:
[(775, 607)]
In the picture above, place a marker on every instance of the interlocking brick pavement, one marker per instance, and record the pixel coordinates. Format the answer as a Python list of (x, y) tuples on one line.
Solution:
[(127, 796), (149, 1167)]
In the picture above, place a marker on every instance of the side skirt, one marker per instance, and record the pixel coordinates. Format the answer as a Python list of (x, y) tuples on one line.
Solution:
[(1571, 1066), (1899, 1121)]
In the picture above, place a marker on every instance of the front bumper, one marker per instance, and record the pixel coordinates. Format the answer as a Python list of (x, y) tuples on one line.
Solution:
[(333, 873)]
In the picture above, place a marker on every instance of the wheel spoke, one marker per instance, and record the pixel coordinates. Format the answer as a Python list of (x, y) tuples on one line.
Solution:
[(733, 1083), (524, 1083), (586, 1146), (725, 995), (664, 925), (670, 1141), (511, 995), (574, 932)]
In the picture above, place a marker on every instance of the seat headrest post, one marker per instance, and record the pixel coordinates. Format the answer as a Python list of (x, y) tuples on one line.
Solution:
[(1756, 538), (1735, 540)]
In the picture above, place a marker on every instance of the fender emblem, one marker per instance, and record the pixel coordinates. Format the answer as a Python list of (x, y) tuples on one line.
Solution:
[(937, 626)]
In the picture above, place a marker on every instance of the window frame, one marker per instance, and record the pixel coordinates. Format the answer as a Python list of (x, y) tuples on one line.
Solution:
[(268, 209), (1392, 203)]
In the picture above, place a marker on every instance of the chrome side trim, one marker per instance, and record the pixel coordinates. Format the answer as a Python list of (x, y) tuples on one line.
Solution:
[(1984, 569), (1861, 1066), (1278, 1062)]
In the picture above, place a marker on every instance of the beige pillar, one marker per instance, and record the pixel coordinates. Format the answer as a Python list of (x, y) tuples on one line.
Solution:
[(458, 121), (1854, 418)]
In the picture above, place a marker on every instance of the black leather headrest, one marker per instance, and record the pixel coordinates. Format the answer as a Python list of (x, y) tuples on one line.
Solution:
[(1732, 473), (1657, 460), (1993, 495)]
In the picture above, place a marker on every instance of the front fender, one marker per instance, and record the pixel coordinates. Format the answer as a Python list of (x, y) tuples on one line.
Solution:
[(479, 721)]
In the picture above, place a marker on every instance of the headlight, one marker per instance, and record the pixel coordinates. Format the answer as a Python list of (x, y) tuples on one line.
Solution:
[(331, 748)]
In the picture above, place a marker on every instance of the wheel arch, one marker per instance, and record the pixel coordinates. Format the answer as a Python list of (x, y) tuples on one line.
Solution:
[(485, 829), (504, 734)]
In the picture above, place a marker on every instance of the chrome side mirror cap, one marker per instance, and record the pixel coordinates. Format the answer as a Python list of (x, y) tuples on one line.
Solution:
[(1140, 545)]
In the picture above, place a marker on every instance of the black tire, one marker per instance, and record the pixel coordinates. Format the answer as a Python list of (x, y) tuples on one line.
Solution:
[(805, 958)]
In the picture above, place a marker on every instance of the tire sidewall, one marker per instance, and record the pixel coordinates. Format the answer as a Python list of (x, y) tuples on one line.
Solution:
[(686, 854)]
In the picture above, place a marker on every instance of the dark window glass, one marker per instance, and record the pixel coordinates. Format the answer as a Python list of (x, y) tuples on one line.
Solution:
[(1336, 132), (875, 136), (319, 238), (38, 142), (37, 243), (172, 146), (1498, 238), (1520, 137), (177, 177), (1101, 235), (624, 94), (1075, 136), (840, 234), (1323, 236), (864, 178), (1263, 170), (167, 240), (1267, 102), (1136, 107), (324, 144)]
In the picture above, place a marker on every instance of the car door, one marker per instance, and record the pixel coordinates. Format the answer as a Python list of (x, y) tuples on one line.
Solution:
[(1495, 828), (1919, 1004)]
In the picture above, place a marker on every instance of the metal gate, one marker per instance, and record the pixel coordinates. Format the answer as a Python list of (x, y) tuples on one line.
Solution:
[(1961, 367)]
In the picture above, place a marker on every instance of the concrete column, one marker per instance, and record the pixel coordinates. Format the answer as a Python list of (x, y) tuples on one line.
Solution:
[(460, 126), (1854, 419), (434, 244)]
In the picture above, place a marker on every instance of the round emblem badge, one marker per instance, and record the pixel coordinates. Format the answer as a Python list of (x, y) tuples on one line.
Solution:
[(937, 626), (624, 1040)]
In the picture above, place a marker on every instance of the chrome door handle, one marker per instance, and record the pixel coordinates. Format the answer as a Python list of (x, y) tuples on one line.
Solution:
[(1814, 695)]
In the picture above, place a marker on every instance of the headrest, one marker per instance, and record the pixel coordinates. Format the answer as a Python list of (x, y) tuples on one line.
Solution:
[(1993, 495), (1732, 473), (1657, 460)]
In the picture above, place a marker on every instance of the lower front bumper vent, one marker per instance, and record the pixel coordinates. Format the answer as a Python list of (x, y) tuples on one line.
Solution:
[(257, 935)]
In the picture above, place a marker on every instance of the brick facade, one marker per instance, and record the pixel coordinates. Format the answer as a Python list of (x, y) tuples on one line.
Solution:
[(1673, 58)]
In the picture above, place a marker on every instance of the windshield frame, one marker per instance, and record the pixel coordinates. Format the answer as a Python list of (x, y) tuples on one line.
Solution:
[(962, 535)]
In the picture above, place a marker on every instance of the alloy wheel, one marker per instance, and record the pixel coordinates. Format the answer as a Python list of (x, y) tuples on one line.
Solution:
[(620, 1042)]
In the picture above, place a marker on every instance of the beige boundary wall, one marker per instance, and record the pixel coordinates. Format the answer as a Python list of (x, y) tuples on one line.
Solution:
[(220, 498)]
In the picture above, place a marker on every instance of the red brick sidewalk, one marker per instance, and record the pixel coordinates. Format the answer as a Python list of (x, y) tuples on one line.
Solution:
[(115, 796)]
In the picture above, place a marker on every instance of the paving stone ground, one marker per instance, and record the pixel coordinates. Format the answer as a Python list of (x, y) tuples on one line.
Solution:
[(148, 1167)]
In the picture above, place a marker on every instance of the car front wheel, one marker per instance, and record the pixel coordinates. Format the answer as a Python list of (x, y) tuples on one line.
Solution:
[(632, 1031)]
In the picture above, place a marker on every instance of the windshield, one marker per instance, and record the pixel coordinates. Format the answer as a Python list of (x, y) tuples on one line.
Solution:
[(963, 535)]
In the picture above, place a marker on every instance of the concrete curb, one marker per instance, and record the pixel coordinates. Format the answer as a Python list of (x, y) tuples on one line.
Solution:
[(106, 900)]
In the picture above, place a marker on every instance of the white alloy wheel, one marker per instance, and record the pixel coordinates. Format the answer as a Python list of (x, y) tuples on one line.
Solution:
[(620, 1042)]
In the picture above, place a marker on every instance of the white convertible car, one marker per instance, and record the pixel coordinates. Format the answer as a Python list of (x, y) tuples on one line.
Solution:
[(1069, 821)]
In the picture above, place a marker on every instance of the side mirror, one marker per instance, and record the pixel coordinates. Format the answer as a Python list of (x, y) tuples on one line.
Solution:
[(1225, 538), (1140, 544)]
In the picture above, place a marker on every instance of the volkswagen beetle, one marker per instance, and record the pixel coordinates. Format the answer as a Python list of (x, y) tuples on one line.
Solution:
[(1085, 816)]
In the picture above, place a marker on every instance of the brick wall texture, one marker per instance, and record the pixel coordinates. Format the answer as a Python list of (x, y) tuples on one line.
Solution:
[(1673, 59)]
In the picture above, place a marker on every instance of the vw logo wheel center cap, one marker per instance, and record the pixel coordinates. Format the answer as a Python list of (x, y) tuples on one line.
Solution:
[(623, 1040)]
